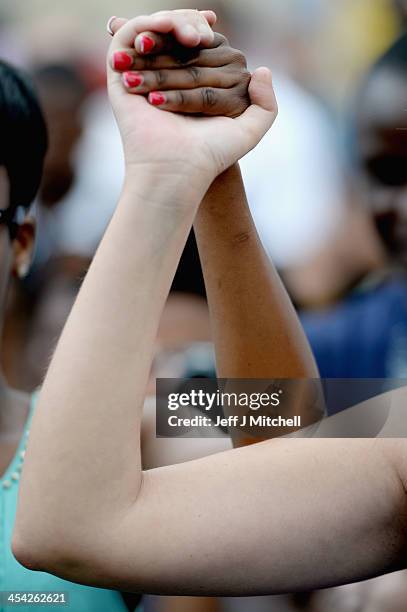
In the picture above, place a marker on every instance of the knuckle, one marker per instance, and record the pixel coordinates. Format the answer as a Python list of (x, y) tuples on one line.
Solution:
[(241, 78), (237, 57), (195, 74), (209, 97), (180, 98), (205, 58), (161, 78)]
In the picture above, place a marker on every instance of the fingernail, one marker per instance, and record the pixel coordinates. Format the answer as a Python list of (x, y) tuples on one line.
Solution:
[(156, 99), (146, 44), (132, 79), (109, 25), (122, 60)]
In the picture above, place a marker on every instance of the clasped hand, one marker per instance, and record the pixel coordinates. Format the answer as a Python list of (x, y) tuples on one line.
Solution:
[(173, 61)]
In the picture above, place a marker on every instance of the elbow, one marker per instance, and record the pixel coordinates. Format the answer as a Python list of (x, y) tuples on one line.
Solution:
[(28, 554), (66, 555), (31, 538), (37, 551)]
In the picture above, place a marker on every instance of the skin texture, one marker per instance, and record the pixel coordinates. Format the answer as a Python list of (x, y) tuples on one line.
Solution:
[(276, 503)]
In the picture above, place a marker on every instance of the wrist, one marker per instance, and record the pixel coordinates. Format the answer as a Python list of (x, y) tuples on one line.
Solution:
[(224, 198), (166, 184)]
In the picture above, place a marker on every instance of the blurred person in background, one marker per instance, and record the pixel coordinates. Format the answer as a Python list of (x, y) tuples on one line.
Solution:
[(62, 92), (366, 335), (322, 244)]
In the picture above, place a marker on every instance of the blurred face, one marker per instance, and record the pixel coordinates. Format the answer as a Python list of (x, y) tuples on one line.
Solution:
[(62, 113), (382, 134)]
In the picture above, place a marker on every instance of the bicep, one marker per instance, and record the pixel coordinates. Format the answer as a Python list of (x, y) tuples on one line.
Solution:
[(276, 517)]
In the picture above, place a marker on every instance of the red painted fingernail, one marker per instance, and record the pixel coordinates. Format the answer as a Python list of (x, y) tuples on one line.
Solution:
[(122, 60), (132, 79), (146, 44), (156, 99)]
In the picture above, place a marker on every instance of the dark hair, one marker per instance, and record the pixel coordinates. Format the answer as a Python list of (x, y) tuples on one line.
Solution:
[(23, 132)]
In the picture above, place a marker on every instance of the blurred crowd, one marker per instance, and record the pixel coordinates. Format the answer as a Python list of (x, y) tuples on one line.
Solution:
[(327, 188)]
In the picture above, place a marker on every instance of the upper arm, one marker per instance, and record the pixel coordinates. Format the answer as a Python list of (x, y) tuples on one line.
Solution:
[(279, 516)]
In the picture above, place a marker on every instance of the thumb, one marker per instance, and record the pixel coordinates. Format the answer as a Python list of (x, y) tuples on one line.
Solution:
[(260, 116), (261, 90)]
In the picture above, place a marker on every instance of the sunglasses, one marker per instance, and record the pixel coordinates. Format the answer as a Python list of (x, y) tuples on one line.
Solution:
[(11, 218)]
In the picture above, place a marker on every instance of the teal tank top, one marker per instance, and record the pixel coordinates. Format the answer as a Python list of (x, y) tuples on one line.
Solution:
[(14, 577)]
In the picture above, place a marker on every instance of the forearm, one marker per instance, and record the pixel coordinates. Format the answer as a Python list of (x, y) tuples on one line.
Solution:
[(256, 331), (94, 390)]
